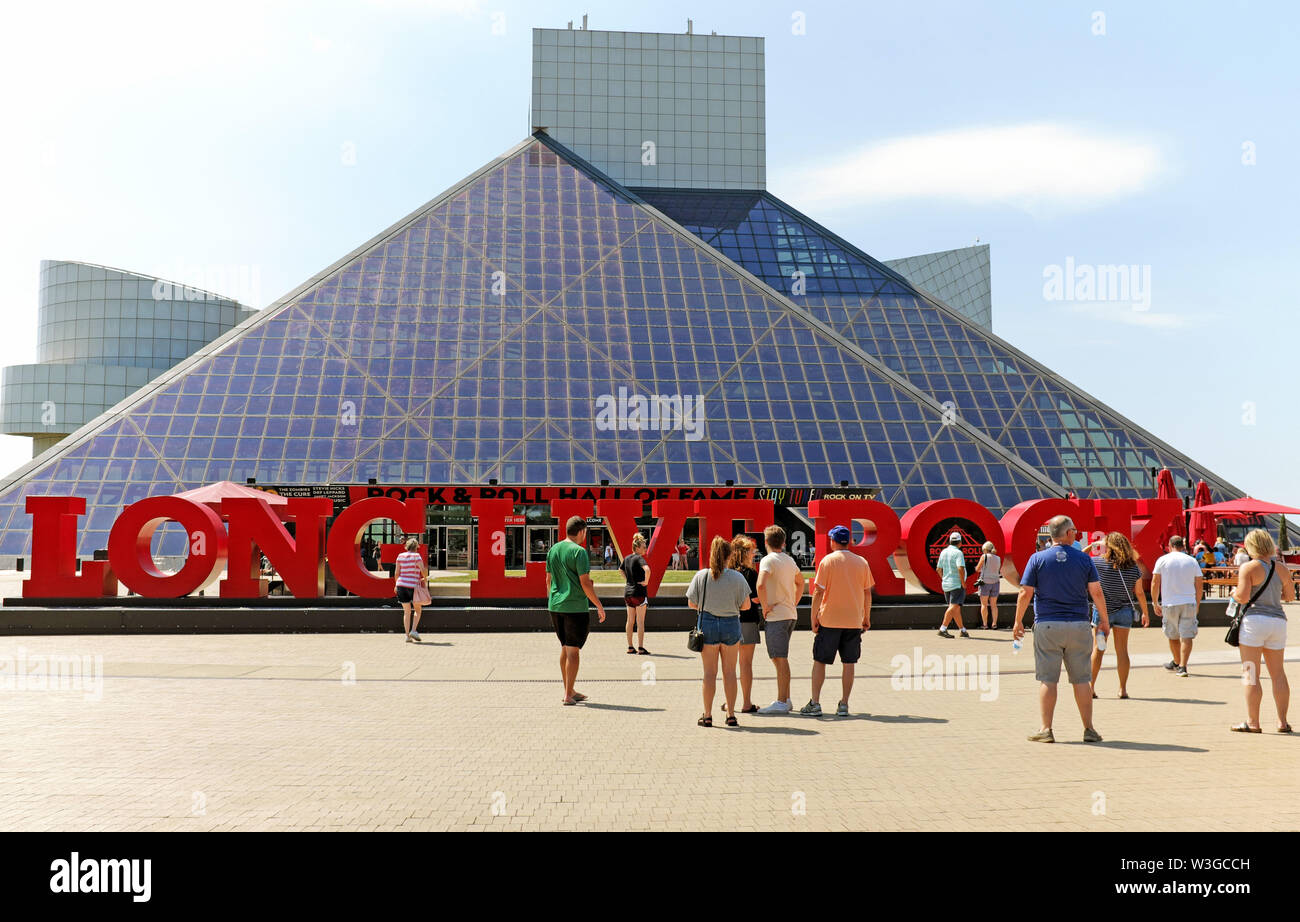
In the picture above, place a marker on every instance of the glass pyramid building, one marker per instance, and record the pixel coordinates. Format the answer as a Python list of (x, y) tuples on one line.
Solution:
[(474, 339)]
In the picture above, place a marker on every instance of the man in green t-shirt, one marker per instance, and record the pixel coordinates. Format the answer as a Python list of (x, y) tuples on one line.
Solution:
[(568, 589)]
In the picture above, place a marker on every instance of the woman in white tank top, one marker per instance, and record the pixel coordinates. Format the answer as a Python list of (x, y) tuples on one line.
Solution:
[(1263, 629)]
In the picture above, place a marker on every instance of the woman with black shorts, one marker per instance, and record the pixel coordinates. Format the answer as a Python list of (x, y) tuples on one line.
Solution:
[(636, 573), (743, 550)]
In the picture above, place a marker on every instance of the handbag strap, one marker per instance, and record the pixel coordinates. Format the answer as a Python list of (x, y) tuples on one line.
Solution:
[(1123, 582), (1272, 565)]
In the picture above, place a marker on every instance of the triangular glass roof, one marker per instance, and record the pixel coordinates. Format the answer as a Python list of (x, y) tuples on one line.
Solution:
[(471, 340), (1077, 441)]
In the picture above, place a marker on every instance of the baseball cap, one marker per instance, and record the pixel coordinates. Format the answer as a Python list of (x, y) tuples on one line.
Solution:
[(840, 535), (955, 538)]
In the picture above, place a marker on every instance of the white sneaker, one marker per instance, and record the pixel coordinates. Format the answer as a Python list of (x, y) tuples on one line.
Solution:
[(777, 707), (415, 635)]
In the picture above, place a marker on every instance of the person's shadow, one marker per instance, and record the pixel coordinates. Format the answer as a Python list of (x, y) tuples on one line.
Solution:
[(789, 731), (1137, 747), (615, 707)]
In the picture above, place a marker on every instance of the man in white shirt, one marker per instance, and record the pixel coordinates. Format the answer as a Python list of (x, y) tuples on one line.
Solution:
[(780, 587), (1176, 584)]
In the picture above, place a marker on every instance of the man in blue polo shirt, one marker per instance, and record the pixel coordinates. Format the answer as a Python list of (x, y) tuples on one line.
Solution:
[(1060, 579)]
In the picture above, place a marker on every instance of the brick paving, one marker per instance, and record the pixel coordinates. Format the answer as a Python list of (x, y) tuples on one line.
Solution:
[(466, 732)]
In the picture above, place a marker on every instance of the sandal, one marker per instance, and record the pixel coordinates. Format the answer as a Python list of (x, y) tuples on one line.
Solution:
[(731, 721), (1244, 728), (631, 650), (704, 722), (579, 696), (642, 651), (1123, 695), (568, 702), (752, 709), (1285, 728)]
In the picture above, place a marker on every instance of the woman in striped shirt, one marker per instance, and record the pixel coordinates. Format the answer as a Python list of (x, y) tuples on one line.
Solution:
[(410, 573), (1121, 585)]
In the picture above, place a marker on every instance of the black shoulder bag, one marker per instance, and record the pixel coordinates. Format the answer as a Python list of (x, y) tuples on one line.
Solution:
[(695, 639), (1237, 612)]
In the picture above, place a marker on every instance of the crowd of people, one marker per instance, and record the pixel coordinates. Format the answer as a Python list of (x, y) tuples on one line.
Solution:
[(1083, 605)]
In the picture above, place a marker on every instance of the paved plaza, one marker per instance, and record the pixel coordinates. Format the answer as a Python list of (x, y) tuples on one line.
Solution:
[(466, 732)]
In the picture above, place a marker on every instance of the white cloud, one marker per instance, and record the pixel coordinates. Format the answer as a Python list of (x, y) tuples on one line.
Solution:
[(1033, 166), (1106, 313)]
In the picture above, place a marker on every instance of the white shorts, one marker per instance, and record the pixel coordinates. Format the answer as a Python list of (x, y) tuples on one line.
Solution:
[(1179, 621), (1263, 631)]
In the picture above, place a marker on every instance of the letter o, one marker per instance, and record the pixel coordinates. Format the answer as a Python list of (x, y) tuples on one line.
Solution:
[(132, 534), (914, 560)]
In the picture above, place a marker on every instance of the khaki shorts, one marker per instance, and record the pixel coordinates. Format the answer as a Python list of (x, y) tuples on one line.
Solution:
[(1056, 642), (1179, 621)]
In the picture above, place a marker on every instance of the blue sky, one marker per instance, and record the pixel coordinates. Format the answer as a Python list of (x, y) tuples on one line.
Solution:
[(191, 140)]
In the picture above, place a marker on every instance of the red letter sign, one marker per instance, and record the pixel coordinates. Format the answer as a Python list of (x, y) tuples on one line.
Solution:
[(298, 559), (344, 547), (1021, 524), (128, 547), (492, 581), (879, 539), (54, 553), (921, 520)]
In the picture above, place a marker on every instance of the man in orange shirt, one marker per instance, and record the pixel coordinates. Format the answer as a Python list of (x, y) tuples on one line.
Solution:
[(841, 612)]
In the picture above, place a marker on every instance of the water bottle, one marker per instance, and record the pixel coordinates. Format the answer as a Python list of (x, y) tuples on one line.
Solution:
[(1016, 645), (1101, 642)]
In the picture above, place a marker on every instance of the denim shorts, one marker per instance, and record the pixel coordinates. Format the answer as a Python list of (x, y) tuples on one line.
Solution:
[(1120, 617), (725, 631)]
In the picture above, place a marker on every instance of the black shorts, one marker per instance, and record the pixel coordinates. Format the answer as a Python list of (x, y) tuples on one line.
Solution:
[(405, 593), (636, 598), (846, 641), (571, 627)]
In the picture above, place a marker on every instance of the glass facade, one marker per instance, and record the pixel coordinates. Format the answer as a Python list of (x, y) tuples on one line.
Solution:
[(1075, 440), (961, 279), (475, 340), (101, 335)]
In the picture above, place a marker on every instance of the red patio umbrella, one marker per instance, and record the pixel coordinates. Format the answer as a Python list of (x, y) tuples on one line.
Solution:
[(1248, 506), (212, 495), (1167, 489), (1204, 525)]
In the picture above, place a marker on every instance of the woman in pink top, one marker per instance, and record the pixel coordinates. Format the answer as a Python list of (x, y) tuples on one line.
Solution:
[(411, 573)]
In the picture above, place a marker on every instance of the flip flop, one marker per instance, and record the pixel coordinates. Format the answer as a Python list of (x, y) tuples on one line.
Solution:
[(631, 650), (1244, 728), (579, 696), (642, 651), (752, 709), (568, 702), (1285, 728), (1123, 695)]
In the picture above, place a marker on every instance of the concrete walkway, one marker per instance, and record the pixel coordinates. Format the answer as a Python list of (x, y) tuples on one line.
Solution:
[(467, 732)]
